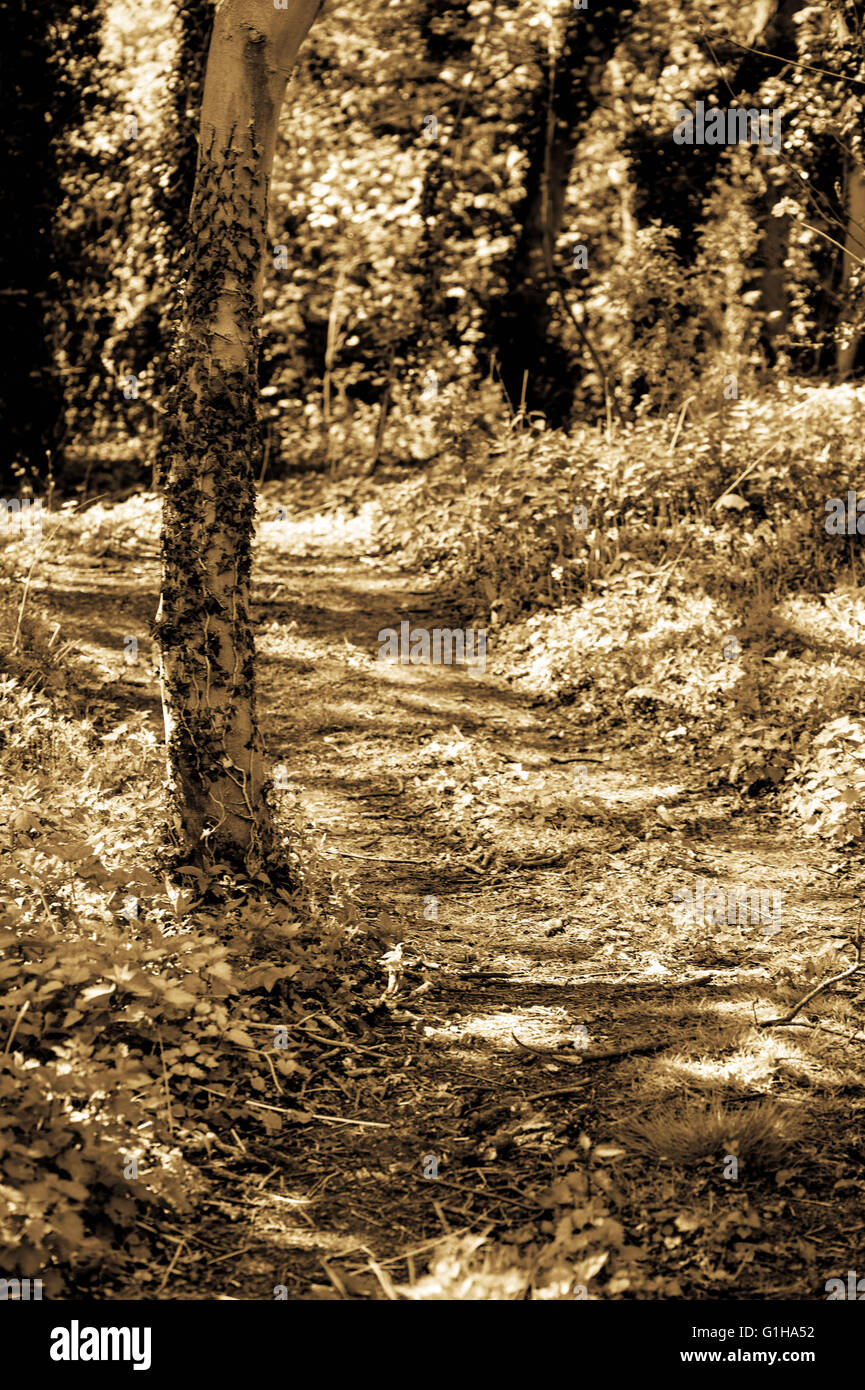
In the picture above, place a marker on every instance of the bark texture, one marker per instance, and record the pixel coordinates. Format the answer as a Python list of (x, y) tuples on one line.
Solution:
[(213, 445)]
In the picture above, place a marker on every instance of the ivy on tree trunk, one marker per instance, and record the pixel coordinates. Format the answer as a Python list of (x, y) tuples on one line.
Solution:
[(212, 448)]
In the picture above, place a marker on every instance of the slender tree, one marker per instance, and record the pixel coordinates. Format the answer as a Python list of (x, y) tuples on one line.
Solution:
[(215, 757), (521, 326)]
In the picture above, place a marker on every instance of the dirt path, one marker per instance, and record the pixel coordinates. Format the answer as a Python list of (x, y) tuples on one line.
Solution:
[(532, 893)]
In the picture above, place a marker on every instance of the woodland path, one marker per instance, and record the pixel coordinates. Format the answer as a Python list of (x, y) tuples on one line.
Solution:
[(534, 902)]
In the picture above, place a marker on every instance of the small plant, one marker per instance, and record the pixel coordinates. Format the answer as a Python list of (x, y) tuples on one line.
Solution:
[(684, 1133)]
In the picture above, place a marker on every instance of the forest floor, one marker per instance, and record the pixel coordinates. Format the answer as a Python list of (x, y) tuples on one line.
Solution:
[(570, 1090)]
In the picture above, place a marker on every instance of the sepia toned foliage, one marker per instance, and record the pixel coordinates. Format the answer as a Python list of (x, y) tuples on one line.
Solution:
[(432, 757)]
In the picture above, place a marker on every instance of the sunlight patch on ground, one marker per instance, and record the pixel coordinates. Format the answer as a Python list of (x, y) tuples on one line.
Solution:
[(755, 1064), (101, 526), (277, 530), (836, 617), (537, 1026)]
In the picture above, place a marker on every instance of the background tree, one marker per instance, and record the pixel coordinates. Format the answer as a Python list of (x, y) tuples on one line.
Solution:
[(48, 53), (570, 74)]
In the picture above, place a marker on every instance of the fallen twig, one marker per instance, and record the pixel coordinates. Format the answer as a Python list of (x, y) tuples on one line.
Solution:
[(824, 984), (378, 858), (552, 1054), (830, 980), (384, 1280), (394, 791), (334, 1278), (557, 1091), (175, 1257), (577, 758), (833, 1032), (314, 1115), (227, 1256), (484, 1192), (639, 1049), (336, 1042)]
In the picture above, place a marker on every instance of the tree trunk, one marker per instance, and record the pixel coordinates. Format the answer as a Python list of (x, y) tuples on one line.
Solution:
[(213, 450), (194, 25), (851, 267), (774, 246), (521, 326)]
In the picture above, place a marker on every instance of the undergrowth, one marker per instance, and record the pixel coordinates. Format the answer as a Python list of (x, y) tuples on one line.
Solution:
[(146, 1019), (671, 581)]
